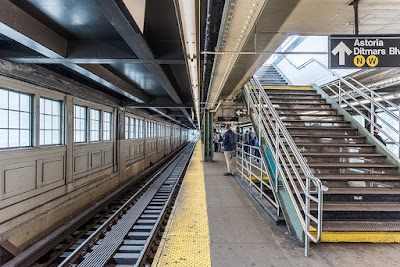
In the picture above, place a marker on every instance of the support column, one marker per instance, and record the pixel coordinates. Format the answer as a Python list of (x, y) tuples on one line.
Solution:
[(69, 142), (208, 136), (120, 143)]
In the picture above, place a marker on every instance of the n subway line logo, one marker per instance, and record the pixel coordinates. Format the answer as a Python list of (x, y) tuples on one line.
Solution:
[(360, 61)]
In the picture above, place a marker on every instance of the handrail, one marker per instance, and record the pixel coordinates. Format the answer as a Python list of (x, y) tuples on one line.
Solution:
[(341, 96), (368, 95), (289, 163), (245, 155)]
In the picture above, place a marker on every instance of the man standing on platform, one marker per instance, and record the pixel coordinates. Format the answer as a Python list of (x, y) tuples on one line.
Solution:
[(229, 141)]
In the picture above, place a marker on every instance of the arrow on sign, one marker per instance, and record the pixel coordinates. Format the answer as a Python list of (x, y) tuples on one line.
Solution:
[(239, 112), (342, 49)]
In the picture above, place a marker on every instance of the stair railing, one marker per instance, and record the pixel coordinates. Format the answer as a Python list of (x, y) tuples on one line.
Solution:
[(246, 158), (291, 169), (350, 93)]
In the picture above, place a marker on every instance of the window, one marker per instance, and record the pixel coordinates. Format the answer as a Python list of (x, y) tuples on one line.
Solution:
[(126, 127), (140, 130), (137, 128), (131, 128), (50, 122), (107, 126), (95, 125), (79, 124), (15, 119)]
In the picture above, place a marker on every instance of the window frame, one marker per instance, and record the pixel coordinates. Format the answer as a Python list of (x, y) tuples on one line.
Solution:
[(85, 124), (62, 121), (100, 126), (104, 123), (92, 105), (32, 118)]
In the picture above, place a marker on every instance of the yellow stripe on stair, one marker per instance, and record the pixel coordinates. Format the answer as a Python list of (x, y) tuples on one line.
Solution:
[(287, 87)]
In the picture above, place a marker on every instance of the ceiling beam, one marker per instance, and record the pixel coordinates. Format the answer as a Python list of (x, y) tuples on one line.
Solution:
[(21, 27), (130, 32), (169, 117), (147, 105), (112, 81), (69, 60), (98, 49)]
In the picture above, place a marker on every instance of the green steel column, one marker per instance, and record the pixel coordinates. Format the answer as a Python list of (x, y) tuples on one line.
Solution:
[(208, 136)]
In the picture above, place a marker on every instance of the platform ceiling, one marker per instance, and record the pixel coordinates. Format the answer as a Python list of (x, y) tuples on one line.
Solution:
[(142, 62), (264, 29), (101, 43)]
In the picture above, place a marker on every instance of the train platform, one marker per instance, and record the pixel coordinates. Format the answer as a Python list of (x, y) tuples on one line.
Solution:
[(216, 223)]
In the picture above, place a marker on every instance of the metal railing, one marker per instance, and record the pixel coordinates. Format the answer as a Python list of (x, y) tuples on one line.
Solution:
[(353, 95), (302, 187), (250, 165)]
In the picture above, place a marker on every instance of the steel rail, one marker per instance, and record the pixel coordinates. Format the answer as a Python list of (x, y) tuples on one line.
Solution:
[(29, 256), (92, 239)]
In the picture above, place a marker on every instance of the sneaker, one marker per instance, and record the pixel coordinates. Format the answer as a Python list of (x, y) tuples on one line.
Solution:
[(227, 174)]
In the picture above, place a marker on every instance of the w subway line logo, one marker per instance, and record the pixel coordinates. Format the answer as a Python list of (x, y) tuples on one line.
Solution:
[(364, 51)]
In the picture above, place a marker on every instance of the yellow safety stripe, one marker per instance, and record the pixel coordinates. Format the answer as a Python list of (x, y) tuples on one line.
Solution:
[(186, 240)]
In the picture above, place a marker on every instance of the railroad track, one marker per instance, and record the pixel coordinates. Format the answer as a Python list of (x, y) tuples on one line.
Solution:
[(126, 232)]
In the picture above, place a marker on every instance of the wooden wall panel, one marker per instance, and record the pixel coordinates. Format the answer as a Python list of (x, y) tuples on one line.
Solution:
[(53, 170), (19, 178), (95, 159), (81, 162)]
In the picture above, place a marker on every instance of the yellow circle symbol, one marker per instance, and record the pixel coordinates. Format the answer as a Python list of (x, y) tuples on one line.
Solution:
[(359, 60), (372, 61)]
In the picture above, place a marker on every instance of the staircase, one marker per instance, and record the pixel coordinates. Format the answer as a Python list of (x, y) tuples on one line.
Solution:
[(269, 75), (364, 190), (363, 200)]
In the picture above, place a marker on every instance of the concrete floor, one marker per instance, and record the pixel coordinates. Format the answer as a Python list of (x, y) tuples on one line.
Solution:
[(242, 235)]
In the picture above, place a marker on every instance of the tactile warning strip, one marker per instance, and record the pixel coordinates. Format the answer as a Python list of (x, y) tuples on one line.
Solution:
[(186, 241)]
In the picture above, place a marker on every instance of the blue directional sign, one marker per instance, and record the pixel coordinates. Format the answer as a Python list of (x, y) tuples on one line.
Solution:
[(372, 51)]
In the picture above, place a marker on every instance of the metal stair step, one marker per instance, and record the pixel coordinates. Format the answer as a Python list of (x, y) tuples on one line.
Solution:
[(330, 136), (334, 145), (311, 130), (361, 226), (359, 207), (342, 155), (339, 158), (300, 103), (358, 177), (285, 92), (305, 111), (294, 97), (271, 77), (291, 93), (328, 140), (335, 148), (316, 121), (311, 116), (308, 123), (320, 128), (350, 165), (274, 83), (363, 191)]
